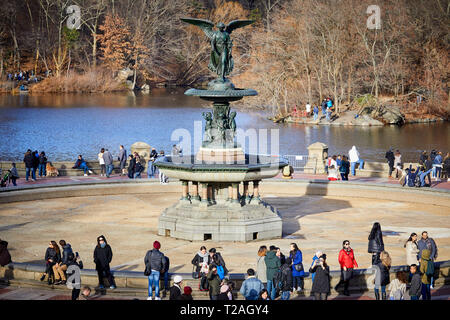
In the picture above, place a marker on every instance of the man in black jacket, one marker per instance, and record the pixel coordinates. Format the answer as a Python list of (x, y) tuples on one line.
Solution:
[(102, 258), (175, 290), (416, 283), (390, 158), (286, 279), (155, 263), (29, 165)]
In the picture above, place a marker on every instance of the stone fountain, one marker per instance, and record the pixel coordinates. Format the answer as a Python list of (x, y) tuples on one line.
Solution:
[(220, 184)]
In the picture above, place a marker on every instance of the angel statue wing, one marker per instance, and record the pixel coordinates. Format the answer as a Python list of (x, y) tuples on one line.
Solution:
[(205, 25), (235, 24)]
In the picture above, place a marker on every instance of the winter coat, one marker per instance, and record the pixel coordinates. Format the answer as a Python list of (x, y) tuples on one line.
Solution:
[(42, 159), (382, 277), (200, 259), (187, 297), (390, 158), (166, 265), (214, 283), (220, 260), (5, 256), (108, 158), (14, 173), (397, 290), (102, 256), (347, 259), (321, 282), (175, 292), (131, 165), (67, 249), (272, 264), (297, 259), (251, 288), (312, 265), (427, 244), (36, 160), (51, 253), (261, 269), (411, 253), (29, 160), (424, 266), (286, 278), (376, 245), (154, 260), (416, 285), (122, 158), (353, 154), (345, 167)]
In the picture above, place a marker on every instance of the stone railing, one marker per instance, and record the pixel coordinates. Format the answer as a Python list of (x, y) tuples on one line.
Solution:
[(136, 280)]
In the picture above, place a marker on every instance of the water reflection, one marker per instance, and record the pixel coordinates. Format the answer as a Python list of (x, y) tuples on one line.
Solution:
[(67, 125)]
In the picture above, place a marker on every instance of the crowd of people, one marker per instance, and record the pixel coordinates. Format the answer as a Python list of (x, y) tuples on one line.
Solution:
[(275, 274), (326, 105), (338, 167)]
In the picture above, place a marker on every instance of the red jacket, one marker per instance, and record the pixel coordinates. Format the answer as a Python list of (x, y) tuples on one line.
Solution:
[(347, 259)]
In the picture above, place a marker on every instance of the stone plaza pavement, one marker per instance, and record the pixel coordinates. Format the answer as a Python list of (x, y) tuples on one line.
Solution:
[(129, 223)]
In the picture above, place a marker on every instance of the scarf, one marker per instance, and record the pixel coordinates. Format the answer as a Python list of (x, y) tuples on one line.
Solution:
[(204, 257)]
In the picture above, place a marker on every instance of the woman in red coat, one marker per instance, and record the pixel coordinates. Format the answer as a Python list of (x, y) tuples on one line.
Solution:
[(348, 263)]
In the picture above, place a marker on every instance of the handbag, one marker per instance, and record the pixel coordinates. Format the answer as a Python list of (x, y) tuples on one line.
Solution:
[(147, 272), (195, 273), (298, 267)]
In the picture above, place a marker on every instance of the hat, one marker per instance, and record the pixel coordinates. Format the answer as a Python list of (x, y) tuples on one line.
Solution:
[(177, 279), (224, 288), (324, 256), (187, 290), (156, 245)]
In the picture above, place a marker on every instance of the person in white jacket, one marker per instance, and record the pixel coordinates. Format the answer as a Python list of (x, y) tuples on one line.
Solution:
[(412, 250), (353, 155), (397, 287)]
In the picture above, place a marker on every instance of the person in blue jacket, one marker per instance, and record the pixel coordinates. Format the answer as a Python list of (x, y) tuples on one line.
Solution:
[(297, 267)]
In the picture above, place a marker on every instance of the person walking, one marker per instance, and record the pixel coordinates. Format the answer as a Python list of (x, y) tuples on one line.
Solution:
[(29, 163), (200, 263), (397, 287), (324, 106), (321, 284), (347, 262), (437, 165), (416, 283), (376, 244), (297, 267), (175, 290), (162, 177), (344, 168), (122, 158), (391, 161), (273, 264), (14, 174), (382, 277), (412, 250), (102, 258), (286, 279), (428, 243), (101, 162), (154, 264), (316, 112), (42, 164), (261, 269), (251, 286), (108, 162), (214, 282), (427, 271), (354, 159)]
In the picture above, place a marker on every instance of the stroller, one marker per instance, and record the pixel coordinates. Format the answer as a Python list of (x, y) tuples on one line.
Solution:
[(6, 179)]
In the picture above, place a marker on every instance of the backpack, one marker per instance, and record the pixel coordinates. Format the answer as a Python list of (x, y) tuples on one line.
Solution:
[(220, 272), (430, 268), (278, 280), (398, 295)]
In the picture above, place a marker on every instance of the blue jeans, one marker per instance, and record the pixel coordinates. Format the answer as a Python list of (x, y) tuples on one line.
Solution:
[(316, 115), (84, 167), (297, 282), (137, 174), (426, 292), (33, 173), (109, 169), (328, 114), (153, 279), (422, 178), (152, 170), (414, 297), (271, 289), (353, 166), (285, 295), (383, 289), (42, 169), (166, 280)]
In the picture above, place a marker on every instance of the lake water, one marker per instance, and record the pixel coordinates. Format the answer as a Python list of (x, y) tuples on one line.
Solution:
[(67, 125)]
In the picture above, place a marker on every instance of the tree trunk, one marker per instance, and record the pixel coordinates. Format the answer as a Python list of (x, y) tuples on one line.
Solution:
[(94, 49)]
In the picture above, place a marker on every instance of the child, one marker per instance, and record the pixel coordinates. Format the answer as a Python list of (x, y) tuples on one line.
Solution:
[(397, 287), (332, 173), (14, 174), (416, 283)]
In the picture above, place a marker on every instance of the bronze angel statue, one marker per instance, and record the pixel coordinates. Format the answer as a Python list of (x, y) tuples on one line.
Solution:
[(221, 60)]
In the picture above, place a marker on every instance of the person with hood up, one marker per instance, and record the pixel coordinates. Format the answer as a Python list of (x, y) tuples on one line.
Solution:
[(273, 264), (376, 244), (154, 264), (426, 277), (102, 258), (353, 155), (428, 243)]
